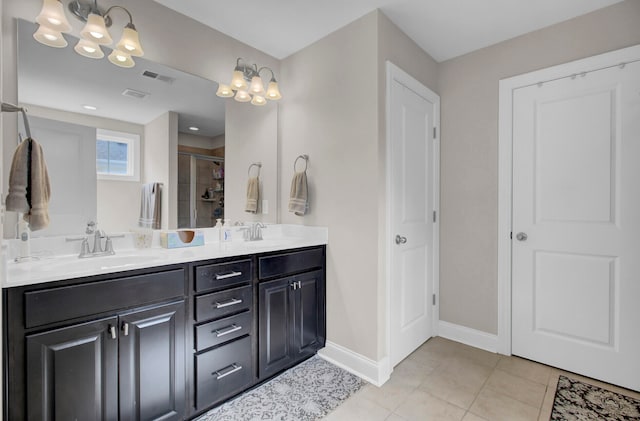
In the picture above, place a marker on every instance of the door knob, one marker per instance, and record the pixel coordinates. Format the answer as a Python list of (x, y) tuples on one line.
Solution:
[(521, 236), (400, 239)]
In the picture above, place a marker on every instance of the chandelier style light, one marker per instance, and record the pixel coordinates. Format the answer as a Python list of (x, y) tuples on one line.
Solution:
[(53, 23), (246, 85)]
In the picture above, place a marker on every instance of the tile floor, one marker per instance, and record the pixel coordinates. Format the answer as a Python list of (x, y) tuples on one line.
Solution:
[(446, 380)]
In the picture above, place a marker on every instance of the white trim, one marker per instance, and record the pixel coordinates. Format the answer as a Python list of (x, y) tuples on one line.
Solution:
[(394, 72), (468, 336), (367, 369), (505, 174)]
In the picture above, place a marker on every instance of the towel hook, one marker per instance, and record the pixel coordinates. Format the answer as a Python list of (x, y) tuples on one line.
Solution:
[(306, 162), (10, 108), (255, 164)]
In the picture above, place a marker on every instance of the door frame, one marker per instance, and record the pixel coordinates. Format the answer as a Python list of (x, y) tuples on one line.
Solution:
[(394, 72), (505, 165)]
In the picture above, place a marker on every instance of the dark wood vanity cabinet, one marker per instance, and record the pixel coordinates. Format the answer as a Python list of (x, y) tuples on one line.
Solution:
[(292, 309), (124, 363)]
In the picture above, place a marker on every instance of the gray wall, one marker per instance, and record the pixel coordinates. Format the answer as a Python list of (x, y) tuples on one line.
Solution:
[(468, 86)]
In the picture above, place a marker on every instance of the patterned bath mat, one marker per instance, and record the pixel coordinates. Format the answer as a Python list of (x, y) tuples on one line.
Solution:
[(306, 392), (576, 400)]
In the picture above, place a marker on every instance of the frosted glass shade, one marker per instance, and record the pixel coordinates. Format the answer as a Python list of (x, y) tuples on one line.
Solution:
[(256, 88), (258, 100), (273, 93), (88, 49), (121, 59), (237, 81), (52, 16), (224, 91), (130, 42), (242, 96), (48, 36), (95, 30)]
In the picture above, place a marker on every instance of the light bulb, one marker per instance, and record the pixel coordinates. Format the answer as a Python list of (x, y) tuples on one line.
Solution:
[(237, 81), (258, 100), (95, 30), (256, 88), (273, 93), (88, 49), (130, 41), (224, 91), (52, 16), (242, 96), (121, 59), (50, 37)]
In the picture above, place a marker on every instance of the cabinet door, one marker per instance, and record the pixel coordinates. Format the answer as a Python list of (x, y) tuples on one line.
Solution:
[(152, 363), (275, 326), (308, 314), (72, 373)]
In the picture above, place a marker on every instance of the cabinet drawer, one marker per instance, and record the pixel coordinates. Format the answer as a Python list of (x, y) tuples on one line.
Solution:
[(223, 330), (285, 264), (223, 372), (219, 304), (65, 303), (223, 275)]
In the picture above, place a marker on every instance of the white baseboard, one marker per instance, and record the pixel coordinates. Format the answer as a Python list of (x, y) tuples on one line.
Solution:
[(367, 369), (468, 336)]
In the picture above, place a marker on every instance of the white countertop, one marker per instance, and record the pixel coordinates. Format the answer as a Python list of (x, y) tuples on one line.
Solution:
[(66, 264)]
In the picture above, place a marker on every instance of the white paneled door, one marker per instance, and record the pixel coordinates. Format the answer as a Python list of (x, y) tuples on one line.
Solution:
[(413, 112), (576, 224)]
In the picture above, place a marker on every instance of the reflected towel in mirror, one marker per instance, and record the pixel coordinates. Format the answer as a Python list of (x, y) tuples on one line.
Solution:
[(150, 206), (253, 194), (29, 186)]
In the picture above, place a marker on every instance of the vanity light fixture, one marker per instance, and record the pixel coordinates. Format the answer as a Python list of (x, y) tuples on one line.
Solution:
[(53, 23), (247, 85)]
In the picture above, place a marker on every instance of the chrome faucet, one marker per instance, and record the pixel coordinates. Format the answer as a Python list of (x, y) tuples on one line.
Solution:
[(98, 235), (253, 232)]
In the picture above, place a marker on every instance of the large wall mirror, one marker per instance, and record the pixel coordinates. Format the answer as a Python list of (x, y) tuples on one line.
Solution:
[(106, 131)]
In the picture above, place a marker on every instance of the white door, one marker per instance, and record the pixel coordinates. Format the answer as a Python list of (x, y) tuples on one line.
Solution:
[(576, 198), (412, 113)]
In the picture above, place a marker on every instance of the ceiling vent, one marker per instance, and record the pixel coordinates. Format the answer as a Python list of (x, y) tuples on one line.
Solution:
[(154, 75), (134, 94)]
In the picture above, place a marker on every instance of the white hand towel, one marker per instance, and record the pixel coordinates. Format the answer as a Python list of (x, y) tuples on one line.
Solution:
[(29, 186), (150, 206), (253, 194), (298, 198)]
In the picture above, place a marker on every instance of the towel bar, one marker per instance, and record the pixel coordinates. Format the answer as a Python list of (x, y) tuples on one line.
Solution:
[(306, 162), (255, 164)]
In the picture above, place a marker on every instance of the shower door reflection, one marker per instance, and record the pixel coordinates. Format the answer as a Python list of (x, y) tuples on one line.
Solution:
[(200, 190)]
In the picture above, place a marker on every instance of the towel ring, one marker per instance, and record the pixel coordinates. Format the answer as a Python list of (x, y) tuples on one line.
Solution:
[(306, 162), (255, 164)]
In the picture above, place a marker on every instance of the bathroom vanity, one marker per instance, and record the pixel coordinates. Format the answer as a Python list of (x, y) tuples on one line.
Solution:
[(167, 341)]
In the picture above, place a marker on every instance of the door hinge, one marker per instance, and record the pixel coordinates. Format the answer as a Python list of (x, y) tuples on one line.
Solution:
[(434, 216), (435, 133), (434, 299)]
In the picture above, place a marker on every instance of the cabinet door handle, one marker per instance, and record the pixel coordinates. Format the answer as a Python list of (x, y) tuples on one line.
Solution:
[(125, 328), (294, 285), (224, 304), (112, 331), (299, 284), (227, 330), (220, 374), (232, 274)]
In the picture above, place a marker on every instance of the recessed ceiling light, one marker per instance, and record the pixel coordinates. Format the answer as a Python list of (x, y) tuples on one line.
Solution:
[(194, 128), (89, 107)]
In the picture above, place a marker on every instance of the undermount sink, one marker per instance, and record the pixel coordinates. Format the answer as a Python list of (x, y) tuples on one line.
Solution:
[(275, 242), (74, 264)]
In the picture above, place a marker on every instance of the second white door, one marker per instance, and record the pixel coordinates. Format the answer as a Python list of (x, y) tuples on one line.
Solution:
[(576, 224)]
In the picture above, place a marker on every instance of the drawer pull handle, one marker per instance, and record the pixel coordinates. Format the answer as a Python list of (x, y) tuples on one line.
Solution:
[(232, 274), (222, 374), (231, 302), (230, 329)]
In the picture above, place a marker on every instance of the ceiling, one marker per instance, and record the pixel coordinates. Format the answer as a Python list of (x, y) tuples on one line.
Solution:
[(443, 28), (62, 79)]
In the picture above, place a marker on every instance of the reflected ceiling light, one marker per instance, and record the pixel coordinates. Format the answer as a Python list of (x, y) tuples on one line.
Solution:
[(93, 34), (194, 128), (89, 107), (248, 85), (50, 37)]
